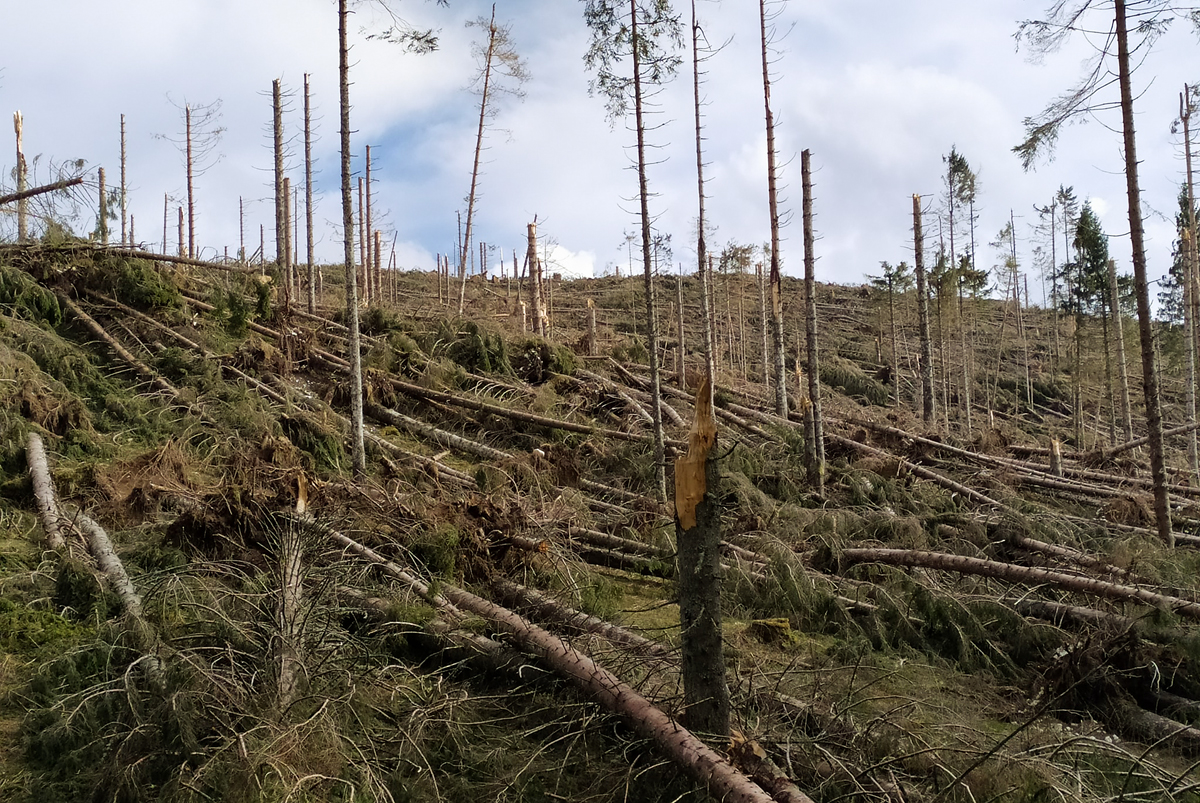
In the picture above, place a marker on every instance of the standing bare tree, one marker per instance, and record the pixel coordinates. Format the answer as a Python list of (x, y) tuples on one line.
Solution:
[(810, 327), (354, 342), (702, 261), (501, 70), (650, 34), (22, 178), (308, 197), (1041, 131), (198, 143), (927, 403), (776, 277)]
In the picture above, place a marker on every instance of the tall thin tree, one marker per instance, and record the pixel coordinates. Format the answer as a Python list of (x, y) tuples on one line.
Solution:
[(649, 24), (1041, 131), (776, 277)]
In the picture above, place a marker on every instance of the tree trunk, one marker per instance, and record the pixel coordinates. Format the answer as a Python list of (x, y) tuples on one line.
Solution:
[(290, 651), (660, 475), (43, 491), (1158, 468), (1022, 574), (724, 781), (182, 236), (126, 239), (289, 279), (483, 101), (1192, 274), (22, 179), (682, 363), (101, 217), (537, 302), (372, 279), (781, 399), (698, 535), (191, 196), (277, 129), (927, 404), (810, 324), (1122, 364), (308, 199), (359, 455)]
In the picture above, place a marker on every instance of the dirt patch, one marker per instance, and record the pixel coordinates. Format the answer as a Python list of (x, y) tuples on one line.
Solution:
[(135, 489)]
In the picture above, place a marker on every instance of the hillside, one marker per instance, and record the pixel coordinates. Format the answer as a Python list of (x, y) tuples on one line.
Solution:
[(950, 621)]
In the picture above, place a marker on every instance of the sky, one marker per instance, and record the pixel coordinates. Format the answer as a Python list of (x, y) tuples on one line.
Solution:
[(879, 92)]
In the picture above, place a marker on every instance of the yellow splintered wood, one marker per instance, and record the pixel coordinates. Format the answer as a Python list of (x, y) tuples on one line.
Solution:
[(690, 484)]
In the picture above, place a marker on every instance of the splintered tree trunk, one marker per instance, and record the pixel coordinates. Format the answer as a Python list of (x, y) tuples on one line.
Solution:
[(1158, 467), (22, 179), (660, 473), (43, 490), (182, 237), (927, 404), (781, 400), (126, 239), (359, 454), (698, 535), (535, 281), (308, 198), (810, 325)]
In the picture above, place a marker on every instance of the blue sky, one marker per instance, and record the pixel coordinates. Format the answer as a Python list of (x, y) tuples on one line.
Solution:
[(879, 91)]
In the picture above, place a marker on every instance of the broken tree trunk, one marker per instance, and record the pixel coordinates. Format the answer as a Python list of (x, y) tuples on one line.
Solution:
[(698, 535), (42, 190), (43, 491)]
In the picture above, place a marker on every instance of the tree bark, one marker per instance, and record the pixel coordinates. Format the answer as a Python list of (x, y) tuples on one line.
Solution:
[(43, 491), (1021, 574), (698, 535), (927, 404), (126, 237), (810, 325), (191, 197), (22, 179), (1158, 468), (776, 279), (359, 455), (20, 196), (660, 470), (308, 198)]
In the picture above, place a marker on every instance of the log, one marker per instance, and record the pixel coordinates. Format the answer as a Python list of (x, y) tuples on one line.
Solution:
[(1020, 574), (140, 368), (554, 610), (42, 190), (43, 491), (706, 765)]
